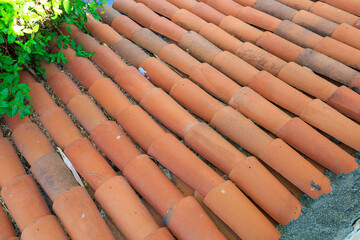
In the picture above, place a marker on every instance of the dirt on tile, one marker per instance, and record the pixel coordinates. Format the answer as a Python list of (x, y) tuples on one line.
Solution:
[(331, 216)]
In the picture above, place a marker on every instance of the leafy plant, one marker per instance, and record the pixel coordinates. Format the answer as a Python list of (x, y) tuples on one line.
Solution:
[(26, 29)]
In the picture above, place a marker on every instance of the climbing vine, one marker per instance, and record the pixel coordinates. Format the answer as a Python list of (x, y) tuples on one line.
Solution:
[(26, 29)]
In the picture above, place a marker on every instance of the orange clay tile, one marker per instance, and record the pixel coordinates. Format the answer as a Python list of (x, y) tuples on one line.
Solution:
[(186, 91), (84, 212), (315, 23), (245, 170), (142, 168), (59, 183), (207, 13), (355, 84), (177, 57), (276, 119), (339, 51), (347, 131), (124, 5), (47, 226), (160, 69), (107, 32), (200, 48), (347, 34), (228, 7), (219, 37), (272, 46), (114, 143), (11, 166), (188, 20), (134, 115), (157, 217), (292, 134), (133, 147), (20, 193), (232, 65), (53, 175), (225, 229), (105, 87), (208, 76), (87, 112), (258, 18), (89, 162), (246, 2), (109, 15), (134, 83), (14, 122), (6, 228), (80, 70), (125, 47), (167, 145), (90, 24), (307, 178), (177, 216), (223, 196), (297, 34), (167, 10), (334, 14), (105, 195), (186, 4), (50, 70), (149, 40), (122, 22), (39, 96), (169, 113), (302, 106), (305, 80), (142, 14), (87, 42), (297, 4), (279, 92), (278, 46), (322, 64), (352, 6), (241, 125), (347, 101), (33, 144), (115, 125), (64, 89), (60, 127), (240, 30), (164, 27), (205, 135), (111, 64), (276, 9), (160, 234), (252, 54)]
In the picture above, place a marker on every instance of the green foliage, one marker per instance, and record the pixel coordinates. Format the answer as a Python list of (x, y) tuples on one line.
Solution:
[(26, 29)]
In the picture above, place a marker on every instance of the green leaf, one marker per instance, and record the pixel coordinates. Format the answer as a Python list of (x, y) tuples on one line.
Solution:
[(2, 111), (67, 6), (68, 28), (2, 40), (58, 44), (36, 28), (11, 38), (4, 94)]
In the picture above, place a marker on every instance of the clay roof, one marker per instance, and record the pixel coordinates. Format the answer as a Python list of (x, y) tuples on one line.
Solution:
[(192, 120)]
